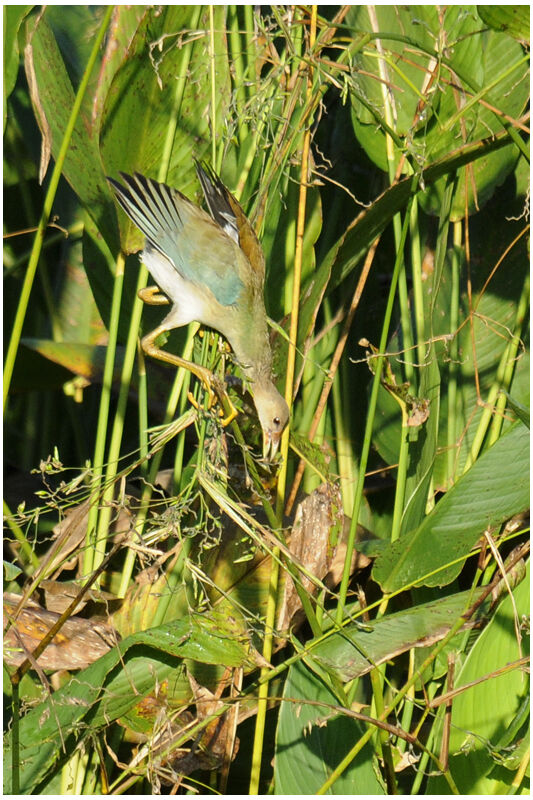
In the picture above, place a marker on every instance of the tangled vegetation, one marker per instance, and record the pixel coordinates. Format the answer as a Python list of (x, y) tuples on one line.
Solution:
[(353, 618)]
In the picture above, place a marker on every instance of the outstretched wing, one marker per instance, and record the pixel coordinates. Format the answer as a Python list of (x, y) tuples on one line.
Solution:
[(198, 248)]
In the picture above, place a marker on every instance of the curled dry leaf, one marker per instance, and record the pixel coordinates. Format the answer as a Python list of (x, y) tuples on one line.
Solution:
[(44, 125), (78, 643), (318, 540)]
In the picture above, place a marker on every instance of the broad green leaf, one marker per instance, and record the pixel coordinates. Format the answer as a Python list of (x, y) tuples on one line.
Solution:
[(75, 49), (125, 23), (504, 86), (114, 684), (45, 727), (494, 489), (81, 359), (406, 75), (522, 412), (52, 98), (311, 740), (354, 652), (513, 20), (483, 714), (446, 83), (33, 371), (164, 89), (13, 18), (11, 571), (77, 313)]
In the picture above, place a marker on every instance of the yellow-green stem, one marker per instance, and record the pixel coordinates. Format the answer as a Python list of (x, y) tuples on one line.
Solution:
[(274, 576), (367, 442)]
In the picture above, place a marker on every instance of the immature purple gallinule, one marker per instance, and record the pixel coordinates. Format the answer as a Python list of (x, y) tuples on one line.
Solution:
[(212, 270)]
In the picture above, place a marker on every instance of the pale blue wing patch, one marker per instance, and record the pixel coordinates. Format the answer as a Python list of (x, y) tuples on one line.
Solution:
[(195, 245)]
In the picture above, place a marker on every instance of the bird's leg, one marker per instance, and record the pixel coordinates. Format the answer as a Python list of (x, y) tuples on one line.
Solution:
[(202, 373), (153, 296)]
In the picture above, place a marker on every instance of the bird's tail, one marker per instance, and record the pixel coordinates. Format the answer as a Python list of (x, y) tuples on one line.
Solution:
[(218, 200)]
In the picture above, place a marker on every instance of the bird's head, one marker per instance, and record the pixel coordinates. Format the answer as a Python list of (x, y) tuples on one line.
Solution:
[(273, 413)]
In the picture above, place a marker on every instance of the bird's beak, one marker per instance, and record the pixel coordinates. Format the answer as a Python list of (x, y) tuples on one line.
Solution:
[(270, 445)]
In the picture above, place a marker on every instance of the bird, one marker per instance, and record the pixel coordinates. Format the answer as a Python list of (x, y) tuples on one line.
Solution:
[(211, 269)]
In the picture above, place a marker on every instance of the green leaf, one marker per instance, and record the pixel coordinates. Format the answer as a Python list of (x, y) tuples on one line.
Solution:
[(81, 359), (522, 412), (493, 489), (353, 652), (504, 86), (311, 740), (438, 97), (163, 88), (52, 98), (11, 571), (114, 684), (483, 714), (33, 371), (513, 20), (13, 18)]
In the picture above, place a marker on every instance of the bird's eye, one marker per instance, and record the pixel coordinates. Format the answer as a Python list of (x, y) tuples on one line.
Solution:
[(277, 421)]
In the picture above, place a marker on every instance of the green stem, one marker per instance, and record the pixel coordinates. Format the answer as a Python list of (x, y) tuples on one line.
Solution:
[(502, 380), (401, 478), (104, 519), (25, 546), (451, 434), (408, 706), (377, 677), (421, 769), (418, 286), (367, 442), (155, 464), (508, 364), (103, 416), (15, 739)]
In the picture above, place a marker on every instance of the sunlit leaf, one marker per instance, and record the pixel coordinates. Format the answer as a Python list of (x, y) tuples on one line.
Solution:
[(312, 739), (494, 489)]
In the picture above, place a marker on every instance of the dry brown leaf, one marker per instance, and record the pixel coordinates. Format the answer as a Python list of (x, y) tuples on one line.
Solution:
[(78, 643), (319, 519)]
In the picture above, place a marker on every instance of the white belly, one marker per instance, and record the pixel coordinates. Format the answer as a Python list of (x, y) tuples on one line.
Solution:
[(185, 297)]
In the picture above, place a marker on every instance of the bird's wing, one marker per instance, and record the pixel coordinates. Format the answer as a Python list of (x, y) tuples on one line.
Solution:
[(228, 213), (184, 234)]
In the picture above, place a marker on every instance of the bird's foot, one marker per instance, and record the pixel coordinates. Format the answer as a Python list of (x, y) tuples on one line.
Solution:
[(227, 410), (153, 296), (230, 411)]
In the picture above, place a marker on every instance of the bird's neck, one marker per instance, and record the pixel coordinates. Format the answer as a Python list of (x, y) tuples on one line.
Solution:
[(254, 355)]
